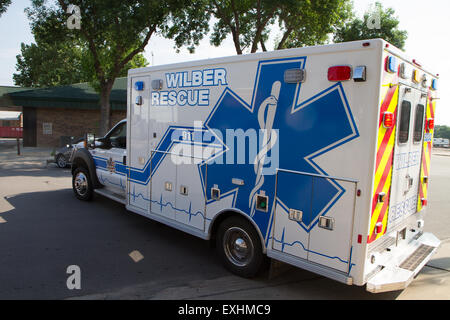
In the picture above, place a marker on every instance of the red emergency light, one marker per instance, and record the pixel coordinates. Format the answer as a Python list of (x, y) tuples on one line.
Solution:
[(378, 228), (339, 73), (388, 120), (430, 124)]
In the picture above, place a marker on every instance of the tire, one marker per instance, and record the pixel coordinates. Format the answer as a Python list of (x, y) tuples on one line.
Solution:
[(82, 184), (239, 246), (61, 161)]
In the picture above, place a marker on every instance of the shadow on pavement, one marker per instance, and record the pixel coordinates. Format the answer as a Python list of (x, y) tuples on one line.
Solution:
[(37, 171), (48, 231)]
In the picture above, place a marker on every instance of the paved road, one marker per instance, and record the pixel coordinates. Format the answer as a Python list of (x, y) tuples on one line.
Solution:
[(44, 229)]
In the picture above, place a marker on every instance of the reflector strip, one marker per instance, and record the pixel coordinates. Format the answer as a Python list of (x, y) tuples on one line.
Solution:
[(426, 154), (383, 171)]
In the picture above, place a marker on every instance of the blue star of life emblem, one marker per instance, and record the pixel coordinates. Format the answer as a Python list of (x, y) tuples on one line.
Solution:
[(302, 130)]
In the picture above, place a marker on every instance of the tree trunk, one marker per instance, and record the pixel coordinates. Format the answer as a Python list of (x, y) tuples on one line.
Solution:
[(284, 38), (105, 109), (263, 45), (237, 45)]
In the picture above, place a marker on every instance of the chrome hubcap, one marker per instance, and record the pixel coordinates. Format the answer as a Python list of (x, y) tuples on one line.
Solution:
[(238, 246), (81, 184)]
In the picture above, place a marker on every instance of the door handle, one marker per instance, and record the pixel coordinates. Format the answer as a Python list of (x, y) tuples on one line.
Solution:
[(409, 183)]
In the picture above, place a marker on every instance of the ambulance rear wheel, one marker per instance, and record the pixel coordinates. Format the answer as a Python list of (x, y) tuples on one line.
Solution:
[(239, 247), (81, 184)]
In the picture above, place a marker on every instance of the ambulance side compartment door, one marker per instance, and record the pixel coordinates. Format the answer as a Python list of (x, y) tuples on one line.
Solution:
[(139, 151)]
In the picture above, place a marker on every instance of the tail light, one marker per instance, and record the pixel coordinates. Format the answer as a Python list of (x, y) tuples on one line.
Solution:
[(388, 120), (430, 124), (381, 197), (378, 228), (424, 202), (339, 73)]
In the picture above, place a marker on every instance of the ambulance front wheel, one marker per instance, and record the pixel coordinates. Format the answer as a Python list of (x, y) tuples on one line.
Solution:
[(239, 247), (81, 184)]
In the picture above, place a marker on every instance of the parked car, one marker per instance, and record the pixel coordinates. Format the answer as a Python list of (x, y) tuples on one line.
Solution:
[(63, 156)]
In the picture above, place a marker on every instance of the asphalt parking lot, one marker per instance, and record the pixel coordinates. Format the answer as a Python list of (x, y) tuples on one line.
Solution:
[(44, 229)]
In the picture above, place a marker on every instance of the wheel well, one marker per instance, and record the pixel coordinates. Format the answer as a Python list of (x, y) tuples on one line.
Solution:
[(78, 162), (227, 214)]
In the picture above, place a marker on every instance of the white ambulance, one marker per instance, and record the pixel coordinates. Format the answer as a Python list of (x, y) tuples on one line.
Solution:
[(318, 157)]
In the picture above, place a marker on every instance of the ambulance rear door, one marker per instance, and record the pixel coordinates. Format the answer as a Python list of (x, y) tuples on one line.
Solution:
[(407, 156)]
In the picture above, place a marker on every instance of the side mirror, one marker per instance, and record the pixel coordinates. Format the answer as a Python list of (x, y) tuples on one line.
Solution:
[(90, 140)]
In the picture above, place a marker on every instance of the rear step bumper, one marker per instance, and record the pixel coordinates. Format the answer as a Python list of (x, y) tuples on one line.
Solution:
[(392, 278)]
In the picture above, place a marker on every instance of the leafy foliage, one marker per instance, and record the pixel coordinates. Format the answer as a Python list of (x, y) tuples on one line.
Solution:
[(3, 5), (60, 63), (358, 29), (309, 22), (249, 22), (112, 31), (442, 132), (45, 65)]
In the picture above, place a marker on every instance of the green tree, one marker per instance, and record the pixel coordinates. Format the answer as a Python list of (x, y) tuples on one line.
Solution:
[(113, 31), (45, 66), (249, 22), (60, 63), (442, 132), (3, 5), (309, 22), (376, 23), (246, 20)]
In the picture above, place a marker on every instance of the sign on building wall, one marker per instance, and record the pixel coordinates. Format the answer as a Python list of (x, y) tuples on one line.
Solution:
[(47, 127)]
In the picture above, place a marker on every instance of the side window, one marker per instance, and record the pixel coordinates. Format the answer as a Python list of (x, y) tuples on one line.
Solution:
[(418, 123), (405, 115), (118, 137)]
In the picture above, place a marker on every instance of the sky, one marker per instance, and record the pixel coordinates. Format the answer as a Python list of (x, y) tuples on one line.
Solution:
[(427, 23)]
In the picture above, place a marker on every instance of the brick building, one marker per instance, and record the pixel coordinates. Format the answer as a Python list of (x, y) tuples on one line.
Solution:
[(51, 115)]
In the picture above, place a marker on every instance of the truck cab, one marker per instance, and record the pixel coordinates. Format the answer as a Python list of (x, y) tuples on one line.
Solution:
[(99, 163)]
